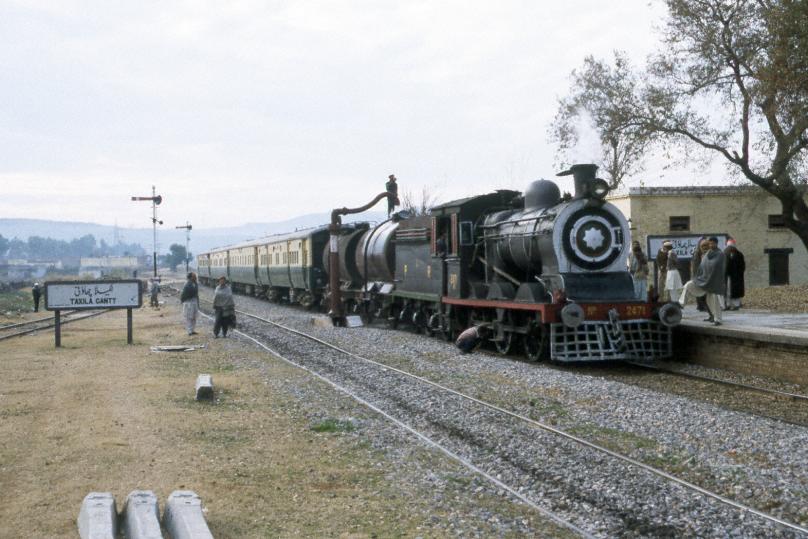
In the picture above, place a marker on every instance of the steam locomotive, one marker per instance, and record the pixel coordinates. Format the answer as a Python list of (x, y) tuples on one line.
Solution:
[(544, 273)]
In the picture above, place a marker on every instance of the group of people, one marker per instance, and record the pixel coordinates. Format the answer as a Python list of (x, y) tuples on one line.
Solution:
[(224, 306), (717, 277)]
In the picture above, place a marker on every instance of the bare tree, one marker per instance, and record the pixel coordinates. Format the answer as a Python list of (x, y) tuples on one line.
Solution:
[(419, 205), (731, 79)]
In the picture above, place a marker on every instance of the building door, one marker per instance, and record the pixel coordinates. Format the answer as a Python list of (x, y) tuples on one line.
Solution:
[(778, 266)]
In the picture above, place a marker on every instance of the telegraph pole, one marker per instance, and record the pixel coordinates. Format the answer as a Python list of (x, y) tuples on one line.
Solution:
[(155, 200), (187, 228)]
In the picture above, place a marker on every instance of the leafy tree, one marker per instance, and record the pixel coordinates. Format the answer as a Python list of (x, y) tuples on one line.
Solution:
[(3, 245), (601, 95), (731, 79), (176, 256)]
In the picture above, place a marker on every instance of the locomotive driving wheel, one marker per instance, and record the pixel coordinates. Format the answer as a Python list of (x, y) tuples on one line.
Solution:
[(504, 337), (537, 342)]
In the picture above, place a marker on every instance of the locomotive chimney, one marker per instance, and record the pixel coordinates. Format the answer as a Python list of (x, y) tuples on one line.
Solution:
[(584, 178)]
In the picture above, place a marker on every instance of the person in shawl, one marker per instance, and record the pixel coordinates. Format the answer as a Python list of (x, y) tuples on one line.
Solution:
[(709, 281), (673, 279), (638, 268), (190, 303), (698, 252), (736, 266), (662, 268), (225, 308)]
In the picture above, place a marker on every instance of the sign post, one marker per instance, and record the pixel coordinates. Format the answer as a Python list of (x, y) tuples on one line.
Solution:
[(58, 328), (86, 295)]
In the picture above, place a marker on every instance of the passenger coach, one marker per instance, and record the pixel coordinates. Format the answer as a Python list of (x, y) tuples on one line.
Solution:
[(282, 267)]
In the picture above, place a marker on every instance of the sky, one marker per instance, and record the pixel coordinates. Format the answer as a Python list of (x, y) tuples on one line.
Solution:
[(259, 111)]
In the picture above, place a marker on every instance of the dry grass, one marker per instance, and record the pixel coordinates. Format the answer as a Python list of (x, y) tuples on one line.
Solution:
[(98, 415), (781, 299)]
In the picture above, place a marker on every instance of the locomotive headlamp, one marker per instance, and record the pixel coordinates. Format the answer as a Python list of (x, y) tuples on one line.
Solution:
[(670, 314), (572, 315)]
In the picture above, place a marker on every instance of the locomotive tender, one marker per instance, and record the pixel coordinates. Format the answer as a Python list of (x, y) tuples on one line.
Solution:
[(543, 272)]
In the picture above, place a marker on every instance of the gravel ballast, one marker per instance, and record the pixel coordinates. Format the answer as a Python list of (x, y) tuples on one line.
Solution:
[(750, 459)]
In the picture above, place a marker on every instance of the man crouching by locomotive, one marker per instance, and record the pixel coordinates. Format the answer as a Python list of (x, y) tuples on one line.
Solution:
[(471, 339)]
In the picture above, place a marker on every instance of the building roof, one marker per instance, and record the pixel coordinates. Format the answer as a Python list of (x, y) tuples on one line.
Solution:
[(689, 190)]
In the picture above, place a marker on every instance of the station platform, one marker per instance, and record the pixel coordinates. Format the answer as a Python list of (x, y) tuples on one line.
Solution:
[(765, 326), (755, 342)]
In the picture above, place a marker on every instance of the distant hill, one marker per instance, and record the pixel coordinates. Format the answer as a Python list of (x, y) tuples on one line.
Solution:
[(201, 239)]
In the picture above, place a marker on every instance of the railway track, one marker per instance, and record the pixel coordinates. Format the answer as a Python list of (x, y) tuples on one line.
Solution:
[(31, 326), (764, 402), (764, 390), (462, 439)]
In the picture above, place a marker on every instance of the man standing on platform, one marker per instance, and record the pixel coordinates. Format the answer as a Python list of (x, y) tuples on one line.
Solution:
[(662, 270), (709, 281), (736, 266)]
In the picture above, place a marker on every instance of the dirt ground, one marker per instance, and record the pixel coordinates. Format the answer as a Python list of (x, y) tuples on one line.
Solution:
[(97, 415)]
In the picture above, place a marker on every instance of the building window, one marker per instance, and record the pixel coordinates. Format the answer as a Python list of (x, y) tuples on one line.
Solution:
[(777, 220), (680, 223), (778, 266)]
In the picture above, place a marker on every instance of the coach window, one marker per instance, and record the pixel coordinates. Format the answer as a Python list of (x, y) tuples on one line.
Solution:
[(680, 223)]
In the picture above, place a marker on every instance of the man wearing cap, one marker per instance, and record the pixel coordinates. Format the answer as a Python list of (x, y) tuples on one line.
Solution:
[(392, 188), (736, 266), (709, 281)]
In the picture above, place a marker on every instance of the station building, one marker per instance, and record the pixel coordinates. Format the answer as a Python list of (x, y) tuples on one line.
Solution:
[(773, 254)]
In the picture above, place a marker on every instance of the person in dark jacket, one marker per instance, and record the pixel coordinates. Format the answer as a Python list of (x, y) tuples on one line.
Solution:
[(190, 303), (392, 187), (36, 291), (662, 271), (709, 281), (154, 294), (225, 308), (695, 262), (736, 266)]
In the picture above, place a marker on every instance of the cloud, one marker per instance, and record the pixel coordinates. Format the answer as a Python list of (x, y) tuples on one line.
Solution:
[(261, 110)]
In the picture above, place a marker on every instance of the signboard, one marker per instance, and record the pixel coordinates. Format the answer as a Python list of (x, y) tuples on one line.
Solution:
[(93, 295), (683, 245)]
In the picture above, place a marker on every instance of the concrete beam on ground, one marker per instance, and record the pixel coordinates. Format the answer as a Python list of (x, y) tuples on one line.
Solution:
[(204, 387), (183, 517), (141, 516), (98, 517)]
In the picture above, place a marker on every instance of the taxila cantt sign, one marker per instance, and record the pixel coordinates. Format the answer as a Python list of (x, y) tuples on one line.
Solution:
[(123, 294)]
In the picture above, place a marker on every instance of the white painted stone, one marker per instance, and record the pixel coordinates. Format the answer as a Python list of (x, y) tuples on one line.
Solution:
[(98, 518), (141, 516), (204, 387), (183, 516)]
